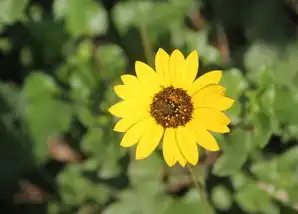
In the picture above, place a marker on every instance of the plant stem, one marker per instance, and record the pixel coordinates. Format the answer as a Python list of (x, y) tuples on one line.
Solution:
[(146, 44), (201, 190)]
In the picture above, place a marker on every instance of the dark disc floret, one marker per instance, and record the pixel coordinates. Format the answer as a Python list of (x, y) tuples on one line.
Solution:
[(172, 107)]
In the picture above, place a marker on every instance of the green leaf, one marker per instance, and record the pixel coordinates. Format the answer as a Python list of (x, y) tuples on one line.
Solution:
[(81, 82), (83, 18), (259, 57), (281, 171), (124, 16), (106, 149), (235, 83), (236, 151), (191, 204), (122, 207), (36, 12), (262, 129), (84, 51), (267, 98), (12, 10), (49, 40), (146, 203), (109, 157), (287, 165), (85, 116), (60, 8), (109, 169), (293, 194), (5, 44), (240, 180), (284, 104), (208, 53), (199, 41), (40, 86), (252, 199), (112, 68), (266, 171), (16, 154), (145, 170), (26, 57), (135, 14), (221, 197), (12, 97), (287, 62), (81, 189), (290, 132), (47, 118), (92, 141)]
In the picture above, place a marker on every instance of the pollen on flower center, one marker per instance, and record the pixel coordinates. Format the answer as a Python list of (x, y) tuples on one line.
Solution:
[(172, 107)]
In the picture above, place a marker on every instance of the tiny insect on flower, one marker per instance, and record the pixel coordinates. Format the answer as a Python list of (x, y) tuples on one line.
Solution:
[(171, 106)]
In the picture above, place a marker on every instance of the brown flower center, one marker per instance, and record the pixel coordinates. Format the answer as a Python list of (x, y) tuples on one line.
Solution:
[(172, 107)]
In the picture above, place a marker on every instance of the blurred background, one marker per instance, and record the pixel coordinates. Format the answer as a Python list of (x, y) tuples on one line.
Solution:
[(59, 60)]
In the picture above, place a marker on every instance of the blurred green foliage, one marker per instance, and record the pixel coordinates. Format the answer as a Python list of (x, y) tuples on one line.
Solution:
[(59, 60)]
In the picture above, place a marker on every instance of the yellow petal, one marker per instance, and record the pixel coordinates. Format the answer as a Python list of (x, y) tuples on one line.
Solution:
[(162, 66), (182, 161), (212, 96), (223, 103), (150, 140), (171, 152), (147, 76), (213, 119), (168, 147), (206, 140), (208, 96), (192, 66), (177, 68), (126, 108), (187, 145), (125, 123), (126, 92), (133, 135), (129, 79), (212, 77), (132, 86), (202, 136)]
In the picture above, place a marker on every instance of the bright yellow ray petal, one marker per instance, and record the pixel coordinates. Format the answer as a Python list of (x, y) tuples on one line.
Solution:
[(207, 96), (147, 77), (133, 135), (177, 68), (223, 103), (171, 152), (203, 137), (206, 140), (213, 119), (126, 92), (126, 108), (162, 66), (125, 123), (129, 79), (132, 85), (212, 77), (150, 140), (168, 147), (182, 161), (212, 97), (192, 66), (187, 145)]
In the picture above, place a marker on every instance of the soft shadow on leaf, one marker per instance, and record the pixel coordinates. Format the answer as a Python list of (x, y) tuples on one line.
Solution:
[(235, 154)]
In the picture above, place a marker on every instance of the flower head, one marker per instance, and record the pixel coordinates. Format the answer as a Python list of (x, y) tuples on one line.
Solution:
[(171, 106)]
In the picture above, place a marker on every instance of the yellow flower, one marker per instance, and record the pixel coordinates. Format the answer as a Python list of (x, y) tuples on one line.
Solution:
[(169, 104)]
